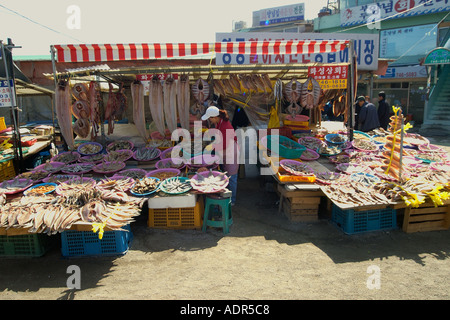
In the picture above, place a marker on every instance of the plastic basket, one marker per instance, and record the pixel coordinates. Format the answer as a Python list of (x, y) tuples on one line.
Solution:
[(7, 170), (285, 152), (28, 245), (353, 222), (177, 218), (88, 244)]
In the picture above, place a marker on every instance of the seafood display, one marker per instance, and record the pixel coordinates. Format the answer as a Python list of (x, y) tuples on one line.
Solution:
[(81, 109), (339, 105), (164, 174), (361, 136), (120, 145), (432, 156), (170, 103), (89, 148), (78, 168), (15, 185), (310, 142), (309, 155), (200, 91), (94, 102), (328, 150), (80, 91), (364, 145), (169, 163), (116, 184), (82, 127), (146, 154), (118, 155), (156, 100), (340, 159), (96, 158), (183, 100), (327, 176), (63, 112), (292, 93), (35, 176), (41, 189), (310, 93), (364, 178), (176, 185), (109, 167), (66, 157), (51, 167), (336, 138), (209, 181), (296, 168), (133, 173), (122, 103), (137, 95), (58, 178), (350, 168), (145, 186)]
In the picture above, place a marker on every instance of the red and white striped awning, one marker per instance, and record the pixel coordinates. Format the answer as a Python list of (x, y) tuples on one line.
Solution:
[(124, 52)]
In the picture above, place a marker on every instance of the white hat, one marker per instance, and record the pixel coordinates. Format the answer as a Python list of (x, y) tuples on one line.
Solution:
[(210, 112)]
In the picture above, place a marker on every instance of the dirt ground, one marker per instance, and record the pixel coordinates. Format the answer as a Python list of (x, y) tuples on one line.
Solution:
[(265, 256)]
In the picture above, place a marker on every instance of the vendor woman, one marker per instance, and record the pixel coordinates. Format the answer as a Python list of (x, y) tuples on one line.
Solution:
[(229, 146)]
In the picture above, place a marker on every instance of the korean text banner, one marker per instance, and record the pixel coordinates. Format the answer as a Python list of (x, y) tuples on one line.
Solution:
[(125, 52), (391, 9), (366, 47)]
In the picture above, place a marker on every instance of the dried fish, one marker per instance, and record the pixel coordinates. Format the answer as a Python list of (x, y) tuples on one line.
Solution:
[(176, 185), (145, 185)]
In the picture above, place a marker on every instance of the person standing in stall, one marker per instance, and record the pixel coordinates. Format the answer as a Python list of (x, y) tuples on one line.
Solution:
[(360, 102), (383, 111), (229, 146)]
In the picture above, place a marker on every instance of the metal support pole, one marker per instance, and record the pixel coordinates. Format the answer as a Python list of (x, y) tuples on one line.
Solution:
[(14, 110), (350, 87), (52, 52), (401, 152)]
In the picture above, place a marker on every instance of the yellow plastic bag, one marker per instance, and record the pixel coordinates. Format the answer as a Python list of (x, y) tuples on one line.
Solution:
[(274, 120)]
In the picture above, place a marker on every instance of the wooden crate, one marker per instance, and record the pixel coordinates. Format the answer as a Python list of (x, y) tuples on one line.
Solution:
[(426, 218), (299, 205)]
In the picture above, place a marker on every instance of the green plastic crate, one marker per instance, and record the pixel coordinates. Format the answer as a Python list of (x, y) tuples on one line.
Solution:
[(28, 245), (285, 152)]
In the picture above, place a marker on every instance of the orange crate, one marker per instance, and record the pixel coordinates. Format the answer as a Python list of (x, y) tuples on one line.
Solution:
[(177, 218), (7, 170)]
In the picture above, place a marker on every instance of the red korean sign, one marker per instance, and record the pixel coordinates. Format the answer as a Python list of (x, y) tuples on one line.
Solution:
[(329, 76)]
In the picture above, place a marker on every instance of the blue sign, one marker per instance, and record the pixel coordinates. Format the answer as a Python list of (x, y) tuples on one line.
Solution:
[(6, 96)]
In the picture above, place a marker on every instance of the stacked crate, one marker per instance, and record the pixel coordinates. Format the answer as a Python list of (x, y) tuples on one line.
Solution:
[(300, 205)]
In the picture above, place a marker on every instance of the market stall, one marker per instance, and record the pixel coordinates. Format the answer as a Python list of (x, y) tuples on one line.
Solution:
[(112, 170)]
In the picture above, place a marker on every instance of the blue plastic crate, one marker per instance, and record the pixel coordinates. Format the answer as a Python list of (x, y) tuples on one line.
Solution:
[(353, 222), (87, 243)]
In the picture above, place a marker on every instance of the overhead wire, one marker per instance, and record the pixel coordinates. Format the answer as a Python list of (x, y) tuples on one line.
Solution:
[(38, 23)]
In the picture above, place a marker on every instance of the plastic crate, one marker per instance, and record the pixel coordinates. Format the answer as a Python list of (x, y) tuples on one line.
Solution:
[(28, 245), (177, 218), (7, 170), (353, 222), (285, 152), (87, 243)]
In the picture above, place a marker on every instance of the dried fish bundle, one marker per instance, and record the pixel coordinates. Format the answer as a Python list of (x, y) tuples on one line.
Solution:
[(146, 185)]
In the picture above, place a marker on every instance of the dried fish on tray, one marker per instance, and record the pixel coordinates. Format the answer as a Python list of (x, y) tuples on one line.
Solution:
[(171, 163), (364, 178), (59, 178), (163, 174), (340, 159), (96, 158), (136, 174), (109, 167), (296, 168), (89, 148), (76, 183), (146, 154), (310, 142), (209, 181), (115, 183), (120, 145), (118, 155), (327, 177), (145, 186), (176, 185), (36, 175), (15, 186), (66, 157), (78, 168), (50, 167), (326, 150), (364, 145), (309, 155), (350, 168)]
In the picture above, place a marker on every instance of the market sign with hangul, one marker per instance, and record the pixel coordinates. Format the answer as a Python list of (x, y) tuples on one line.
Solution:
[(391, 9), (329, 76)]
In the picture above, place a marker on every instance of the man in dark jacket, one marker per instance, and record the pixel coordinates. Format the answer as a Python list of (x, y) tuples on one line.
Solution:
[(361, 101), (368, 119), (383, 110)]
